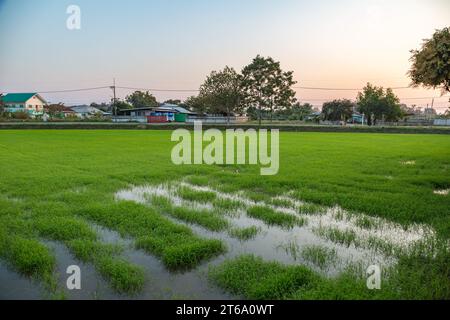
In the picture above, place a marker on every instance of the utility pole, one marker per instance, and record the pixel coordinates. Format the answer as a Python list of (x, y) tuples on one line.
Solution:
[(113, 87)]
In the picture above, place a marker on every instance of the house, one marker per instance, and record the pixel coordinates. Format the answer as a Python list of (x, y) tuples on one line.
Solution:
[(67, 112), (163, 113), (85, 111), (31, 103)]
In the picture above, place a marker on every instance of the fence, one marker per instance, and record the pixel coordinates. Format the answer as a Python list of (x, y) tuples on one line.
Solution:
[(442, 122), (214, 119), (129, 119)]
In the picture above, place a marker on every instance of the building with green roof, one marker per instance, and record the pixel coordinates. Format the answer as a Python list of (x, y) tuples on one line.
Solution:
[(31, 103)]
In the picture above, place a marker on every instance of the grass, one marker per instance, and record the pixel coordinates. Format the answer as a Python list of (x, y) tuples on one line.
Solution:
[(244, 234), (254, 278), (272, 217), (125, 277), (344, 237), (280, 202), (365, 223), (311, 208), (195, 195), (227, 205), (55, 183), (205, 218), (319, 255)]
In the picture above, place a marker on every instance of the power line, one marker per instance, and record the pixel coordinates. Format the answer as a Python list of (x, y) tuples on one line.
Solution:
[(408, 98), (341, 89), (75, 90), (160, 90)]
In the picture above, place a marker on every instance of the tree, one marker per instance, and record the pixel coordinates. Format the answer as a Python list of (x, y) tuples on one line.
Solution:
[(55, 109), (221, 92), (122, 105), (196, 103), (300, 111), (173, 101), (266, 87), (431, 64), (139, 99), (338, 110), (446, 114), (377, 103)]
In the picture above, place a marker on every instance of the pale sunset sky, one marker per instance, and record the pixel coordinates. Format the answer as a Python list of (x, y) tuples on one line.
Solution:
[(174, 44)]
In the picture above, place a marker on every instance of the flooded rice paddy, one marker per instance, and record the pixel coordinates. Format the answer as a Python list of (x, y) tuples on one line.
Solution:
[(326, 239)]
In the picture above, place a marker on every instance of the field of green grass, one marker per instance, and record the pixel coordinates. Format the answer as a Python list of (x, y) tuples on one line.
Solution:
[(60, 186)]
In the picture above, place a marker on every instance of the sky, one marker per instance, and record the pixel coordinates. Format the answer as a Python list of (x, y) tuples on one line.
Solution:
[(175, 44)]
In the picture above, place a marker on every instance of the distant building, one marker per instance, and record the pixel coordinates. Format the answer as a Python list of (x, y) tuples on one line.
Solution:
[(88, 111), (163, 113), (31, 103)]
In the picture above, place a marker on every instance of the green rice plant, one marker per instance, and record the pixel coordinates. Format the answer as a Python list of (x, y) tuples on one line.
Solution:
[(311, 208), (316, 166), (161, 202), (63, 228), (244, 234), (344, 237), (257, 196), (155, 234), (228, 205), (178, 254), (89, 250), (198, 180), (292, 248), (205, 218), (254, 278), (28, 256), (196, 195), (123, 275), (272, 217), (365, 222), (319, 255), (281, 202)]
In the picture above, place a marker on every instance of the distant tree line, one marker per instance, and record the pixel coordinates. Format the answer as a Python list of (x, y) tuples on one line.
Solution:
[(262, 90)]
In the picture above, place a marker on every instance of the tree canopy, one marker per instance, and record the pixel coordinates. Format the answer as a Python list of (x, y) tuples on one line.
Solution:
[(378, 104), (338, 110), (221, 92), (431, 64), (265, 86), (139, 99)]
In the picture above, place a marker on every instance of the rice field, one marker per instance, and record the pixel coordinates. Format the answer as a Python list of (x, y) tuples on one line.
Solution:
[(141, 227)]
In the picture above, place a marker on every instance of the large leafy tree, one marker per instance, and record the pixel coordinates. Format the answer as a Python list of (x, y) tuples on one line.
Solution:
[(431, 64), (267, 87), (377, 104), (140, 99), (221, 92), (338, 110), (196, 103)]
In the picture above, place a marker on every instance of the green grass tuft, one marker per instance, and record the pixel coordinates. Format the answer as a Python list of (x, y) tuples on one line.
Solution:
[(272, 217), (244, 234), (195, 195), (124, 276), (319, 255)]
